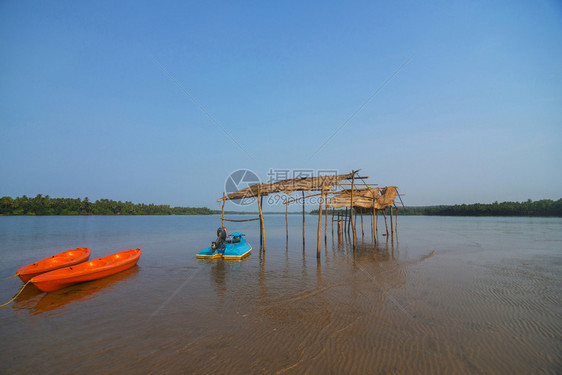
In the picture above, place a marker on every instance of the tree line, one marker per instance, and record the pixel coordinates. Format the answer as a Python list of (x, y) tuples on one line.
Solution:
[(45, 205), (544, 207)]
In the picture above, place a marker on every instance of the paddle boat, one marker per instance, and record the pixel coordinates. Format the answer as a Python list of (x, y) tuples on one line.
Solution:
[(54, 262), (229, 247), (87, 271)]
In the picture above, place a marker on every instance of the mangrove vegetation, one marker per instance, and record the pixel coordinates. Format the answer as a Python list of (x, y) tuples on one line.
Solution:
[(544, 207), (45, 205)]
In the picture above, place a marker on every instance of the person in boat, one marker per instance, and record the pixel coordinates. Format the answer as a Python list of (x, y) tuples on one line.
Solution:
[(218, 245)]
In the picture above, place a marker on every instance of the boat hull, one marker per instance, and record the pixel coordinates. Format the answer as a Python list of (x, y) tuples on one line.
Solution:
[(88, 271), (54, 262), (231, 252)]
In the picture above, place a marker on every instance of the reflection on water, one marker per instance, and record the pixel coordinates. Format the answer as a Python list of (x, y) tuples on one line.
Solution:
[(34, 301), (450, 295)]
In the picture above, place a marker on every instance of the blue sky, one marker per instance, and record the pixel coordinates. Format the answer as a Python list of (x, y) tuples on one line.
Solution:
[(93, 97)]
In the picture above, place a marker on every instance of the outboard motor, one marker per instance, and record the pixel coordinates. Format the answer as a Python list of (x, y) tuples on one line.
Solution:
[(221, 238)]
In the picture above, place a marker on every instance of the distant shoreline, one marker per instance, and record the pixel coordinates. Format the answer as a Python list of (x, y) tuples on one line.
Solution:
[(45, 206)]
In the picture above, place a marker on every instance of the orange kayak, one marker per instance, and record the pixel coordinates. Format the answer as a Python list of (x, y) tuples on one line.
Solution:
[(64, 259), (87, 271)]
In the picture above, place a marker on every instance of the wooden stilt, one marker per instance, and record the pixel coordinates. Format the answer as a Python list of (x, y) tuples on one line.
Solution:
[(339, 228), (362, 228), (376, 223), (222, 215), (319, 231), (303, 230), (262, 226), (287, 219), (391, 222), (326, 219), (333, 210), (396, 219), (385, 223), (372, 214), (351, 213), (345, 221)]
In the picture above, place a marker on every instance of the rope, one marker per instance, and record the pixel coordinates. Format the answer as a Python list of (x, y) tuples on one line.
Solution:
[(240, 221), (21, 290), (6, 278)]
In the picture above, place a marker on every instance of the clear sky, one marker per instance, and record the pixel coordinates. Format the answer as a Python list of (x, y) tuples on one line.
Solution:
[(129, 100)]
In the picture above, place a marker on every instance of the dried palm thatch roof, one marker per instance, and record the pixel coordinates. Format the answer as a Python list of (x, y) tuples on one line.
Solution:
[(388, 194), (381, 197), (361, 198), (288, 186)]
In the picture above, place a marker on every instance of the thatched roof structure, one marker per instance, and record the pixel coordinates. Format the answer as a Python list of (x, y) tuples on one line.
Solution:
[(365, 197), (388, 194), (289, 186)]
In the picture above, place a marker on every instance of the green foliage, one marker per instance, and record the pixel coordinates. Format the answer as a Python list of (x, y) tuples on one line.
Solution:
[(44, 205), (545, 207)]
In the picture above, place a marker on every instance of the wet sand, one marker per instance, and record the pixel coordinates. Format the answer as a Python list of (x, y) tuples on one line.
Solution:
[(448, 295)]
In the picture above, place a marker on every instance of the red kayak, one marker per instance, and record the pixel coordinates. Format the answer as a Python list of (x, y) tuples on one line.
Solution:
[(64, 259), (87, 271)]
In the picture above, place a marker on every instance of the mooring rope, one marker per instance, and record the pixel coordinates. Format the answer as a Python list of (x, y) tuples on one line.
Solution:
[(21, 290), (240, 221), (6, 278)]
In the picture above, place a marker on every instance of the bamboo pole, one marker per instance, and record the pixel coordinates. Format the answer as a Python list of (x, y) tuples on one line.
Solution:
[(326, 219), (396, 218), (333, 209), (262, 227), (391, 222), (372, 215), (303, 230), (262, 222), (319, 231), (259, 215), (286, 220), (376, 223), (362, 228), (345, 220), (385, 223), (351, 209), (340, 229), (222, 215)]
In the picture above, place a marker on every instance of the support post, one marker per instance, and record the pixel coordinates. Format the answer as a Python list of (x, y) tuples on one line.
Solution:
[(262, 227), (345, 220), (222, 215), (385, 222), (396, 219), (362, 228), (376, 223), (372, 214), (303, 231), (351, 209), (391, 222), (319, 232), (286, 219), (340, 229), (333, 209), (326, 219)]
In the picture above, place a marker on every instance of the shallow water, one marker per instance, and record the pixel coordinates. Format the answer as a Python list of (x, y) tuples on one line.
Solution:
[(448, 295)]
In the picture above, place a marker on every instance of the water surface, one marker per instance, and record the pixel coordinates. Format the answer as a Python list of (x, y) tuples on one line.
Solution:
[(447, 295)]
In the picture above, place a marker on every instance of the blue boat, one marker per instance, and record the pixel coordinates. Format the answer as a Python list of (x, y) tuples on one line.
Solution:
[(232, 247)]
